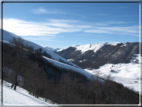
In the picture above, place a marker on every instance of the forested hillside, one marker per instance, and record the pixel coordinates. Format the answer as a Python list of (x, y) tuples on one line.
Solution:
[(25, 67)]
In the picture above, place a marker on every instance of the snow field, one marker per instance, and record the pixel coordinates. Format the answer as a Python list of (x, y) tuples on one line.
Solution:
[(127, 74), (20, 97)]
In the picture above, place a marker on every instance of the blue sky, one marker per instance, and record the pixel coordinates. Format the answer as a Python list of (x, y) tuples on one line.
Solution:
[(59, 25)]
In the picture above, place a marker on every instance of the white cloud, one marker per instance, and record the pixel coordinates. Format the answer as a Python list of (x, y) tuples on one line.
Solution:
[(107, 23), (63, 20), (40, 38), (52, 27), (132, 30), (26, 28), (97, 31), (42, 10)]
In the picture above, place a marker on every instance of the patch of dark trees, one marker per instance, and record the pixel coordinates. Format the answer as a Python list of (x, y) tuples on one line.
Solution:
[(106, 54), (27, 69)]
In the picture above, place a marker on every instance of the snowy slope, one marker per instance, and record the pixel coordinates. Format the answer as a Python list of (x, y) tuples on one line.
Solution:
[(87, 74), (55, 58), (20, 97), (94, 47), (129, 70), (7, 36), (127, 74), (126, 70)]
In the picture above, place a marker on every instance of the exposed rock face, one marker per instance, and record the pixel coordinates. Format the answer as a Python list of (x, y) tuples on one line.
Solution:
[(120, 53)]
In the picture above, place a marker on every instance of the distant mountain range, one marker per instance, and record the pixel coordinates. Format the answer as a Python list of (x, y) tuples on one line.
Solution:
[(92, 56)]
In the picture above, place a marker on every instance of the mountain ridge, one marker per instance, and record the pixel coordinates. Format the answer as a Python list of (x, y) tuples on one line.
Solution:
[(55, 59), (96, 55), (9, 36)]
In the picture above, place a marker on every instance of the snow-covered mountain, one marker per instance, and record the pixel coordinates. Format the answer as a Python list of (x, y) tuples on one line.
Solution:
[(55, 60), (21, 97), (57, 63), (92, 56), (85, 48), (8, 36)]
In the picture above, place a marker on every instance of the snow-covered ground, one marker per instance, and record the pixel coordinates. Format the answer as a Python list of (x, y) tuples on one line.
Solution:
[(20, 97), (8, 36), (87, 74), (127, 74), (120, 70)]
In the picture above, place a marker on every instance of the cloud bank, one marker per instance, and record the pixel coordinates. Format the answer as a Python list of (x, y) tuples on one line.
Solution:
[(52, 27)]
